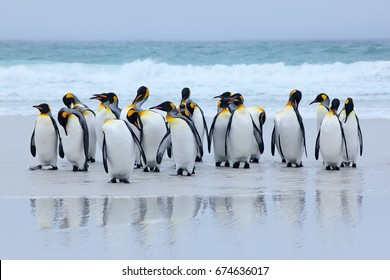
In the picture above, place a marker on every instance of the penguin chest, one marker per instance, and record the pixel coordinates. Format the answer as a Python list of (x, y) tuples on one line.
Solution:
[(291, 137), (183, 144), (219, 133), (120, 148), (46, 141), (240, 136), (153, 130), (321, 112), (74, 141), (331, 142), (351, 137)]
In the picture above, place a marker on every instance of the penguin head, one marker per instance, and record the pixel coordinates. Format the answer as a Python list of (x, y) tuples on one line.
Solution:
[(335, 105), (237, 99), (295, 97), (142, 95), (226, 94), (223, 103), (183, 110), (102, 97), (133, 118), (112, 98), (69, 99), (185, 94), (44, 108), (166, 106), (348, 105), (322, 98), (63, 116)]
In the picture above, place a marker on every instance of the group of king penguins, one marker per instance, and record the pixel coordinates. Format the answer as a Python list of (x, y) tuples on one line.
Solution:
[(339, 137), (135, 137)]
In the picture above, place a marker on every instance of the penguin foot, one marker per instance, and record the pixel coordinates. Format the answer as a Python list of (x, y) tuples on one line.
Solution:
[(198, 159), (246, 165), (156, 169), (354, 165), (75, 168), (180, 171), (342, 164), (254, 160), (218, 163), (289, 164), (193, 171), (91, 159), (146, 169), (236, 164), (125, 181), (54, 168), (113, 180), (328, 168), (283, 160), (336, 168), (189, 174), (299, 165), (137, 165), (227, 164), (35, 167)]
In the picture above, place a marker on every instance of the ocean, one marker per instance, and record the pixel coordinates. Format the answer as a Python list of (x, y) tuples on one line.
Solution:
[(263, 72)]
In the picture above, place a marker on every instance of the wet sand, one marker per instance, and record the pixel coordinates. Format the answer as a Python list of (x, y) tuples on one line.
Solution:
[(266, 212)]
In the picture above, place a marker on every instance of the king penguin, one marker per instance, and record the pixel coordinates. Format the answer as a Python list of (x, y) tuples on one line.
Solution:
[(107, 102), (196, 114), (218, 131), (353, 133), (323, 107), (119, 143), (259, 117), (239, 134), (76, 139), (152, 129), (45, 138), (140, 98), (72, 102), (275, 137), (183, 137), (292, 131), (331, 139)]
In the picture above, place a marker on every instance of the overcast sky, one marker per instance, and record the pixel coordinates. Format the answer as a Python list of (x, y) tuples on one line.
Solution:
[(194, 20)]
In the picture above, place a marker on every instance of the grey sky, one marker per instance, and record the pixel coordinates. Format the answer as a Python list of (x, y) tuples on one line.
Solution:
[(194, 20)]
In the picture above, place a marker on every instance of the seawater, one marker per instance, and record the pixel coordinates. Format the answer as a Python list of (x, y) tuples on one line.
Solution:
[(263, 72)]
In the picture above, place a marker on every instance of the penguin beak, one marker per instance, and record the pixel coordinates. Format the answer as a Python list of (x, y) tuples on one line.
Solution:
[(314, 101), (156, 107), (37, 106), (218, 96)]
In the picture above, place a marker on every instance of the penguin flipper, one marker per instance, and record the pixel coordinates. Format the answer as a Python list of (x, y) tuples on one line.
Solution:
[(210, 134), (204, 123), (196, 135), (83, 124), (104, 150), (344, 139), (137, 142), (60, 147), (169, 148), (300, 121), (166, 142), (229, 126), (259, 137), (360, 137), (273, 142), (33, 148), (317, 147)]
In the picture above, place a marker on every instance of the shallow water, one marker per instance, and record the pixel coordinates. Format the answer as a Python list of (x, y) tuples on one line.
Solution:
[(266, 212)]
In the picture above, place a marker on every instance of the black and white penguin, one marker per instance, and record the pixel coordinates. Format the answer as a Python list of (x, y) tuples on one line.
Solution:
[(353, 133), (218, 132), (152, 129), (76, 138), (292, 131), (259, 117), (183, 137), (239, 134), (72, 102), (331, 139), (45, 139), (140, 98), (119, 145), (323, 107), (275, 140), (196, 114)]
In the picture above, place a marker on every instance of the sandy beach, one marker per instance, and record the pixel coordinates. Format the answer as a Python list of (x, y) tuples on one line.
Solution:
[(266, 212)]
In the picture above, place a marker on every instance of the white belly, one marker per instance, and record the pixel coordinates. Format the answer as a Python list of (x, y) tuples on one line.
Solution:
[(73, 143), (46, 141), (183, 145), (154, 130), (331, 142), (351, 137), (91, 121), (219, 136), (120, 149), (291, 138), (240, 137)]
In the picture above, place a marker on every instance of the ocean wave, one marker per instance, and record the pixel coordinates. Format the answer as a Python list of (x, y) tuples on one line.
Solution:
[(269, 84)]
